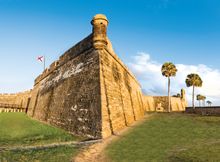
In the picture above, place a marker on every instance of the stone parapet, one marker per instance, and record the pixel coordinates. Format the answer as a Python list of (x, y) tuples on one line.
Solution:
[(73, 52)]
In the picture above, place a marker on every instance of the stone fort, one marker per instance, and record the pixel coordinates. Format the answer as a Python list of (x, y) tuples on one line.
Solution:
[(89, 91)]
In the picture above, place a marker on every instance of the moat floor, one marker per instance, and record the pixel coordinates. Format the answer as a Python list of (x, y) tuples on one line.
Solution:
[(158, 137), (169, 137), (161, 137), (16, 129)]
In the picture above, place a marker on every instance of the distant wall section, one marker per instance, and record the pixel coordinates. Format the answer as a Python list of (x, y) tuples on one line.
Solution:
[(212, 110), (160, 103), (149, 103), (21, 98)]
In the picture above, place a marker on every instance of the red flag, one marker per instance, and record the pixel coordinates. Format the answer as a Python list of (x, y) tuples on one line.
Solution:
[(40, 58)]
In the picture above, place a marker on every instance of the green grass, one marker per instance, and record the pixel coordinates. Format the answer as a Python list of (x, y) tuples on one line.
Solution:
[(169, 137), (60, 154), (19, 129)]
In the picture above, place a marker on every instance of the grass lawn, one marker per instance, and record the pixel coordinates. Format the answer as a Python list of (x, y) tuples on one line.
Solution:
[(18, 129), (170, 137), (59, 154)]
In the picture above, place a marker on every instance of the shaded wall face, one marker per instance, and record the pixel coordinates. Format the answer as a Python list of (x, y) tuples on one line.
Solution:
[(70, 96), (121, 96)]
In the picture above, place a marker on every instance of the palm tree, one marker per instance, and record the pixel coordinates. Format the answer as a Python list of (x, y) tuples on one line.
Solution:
[(193, 80), (203, 99), (199, 98), (168, 70), (209, 103)]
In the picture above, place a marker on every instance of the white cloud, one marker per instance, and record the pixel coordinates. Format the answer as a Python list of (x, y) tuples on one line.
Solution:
[(148, 73)]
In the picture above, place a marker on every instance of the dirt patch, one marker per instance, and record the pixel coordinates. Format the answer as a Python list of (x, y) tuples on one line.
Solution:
[(95, 152)]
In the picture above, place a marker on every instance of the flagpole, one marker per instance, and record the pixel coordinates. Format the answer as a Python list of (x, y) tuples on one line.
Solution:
[(44, 61)]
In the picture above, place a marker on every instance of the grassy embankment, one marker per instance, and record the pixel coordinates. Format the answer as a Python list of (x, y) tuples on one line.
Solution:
[(16, 129), (169, 137)]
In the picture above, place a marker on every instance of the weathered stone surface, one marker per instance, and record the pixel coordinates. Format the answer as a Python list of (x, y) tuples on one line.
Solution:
[(69, 97), (122, 102), (88, 91)]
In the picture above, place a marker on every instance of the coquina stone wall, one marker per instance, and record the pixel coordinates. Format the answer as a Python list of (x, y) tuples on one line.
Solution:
[(122, 102), (20, 99), (68, 94), (88, 91)]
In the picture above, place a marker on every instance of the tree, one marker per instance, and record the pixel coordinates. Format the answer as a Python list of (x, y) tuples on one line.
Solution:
[(209, 103), (193, 80), (168, 70), (199, 98), (203, 99)]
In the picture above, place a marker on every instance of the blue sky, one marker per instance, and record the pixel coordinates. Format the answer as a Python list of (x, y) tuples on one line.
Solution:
[(182, 31)]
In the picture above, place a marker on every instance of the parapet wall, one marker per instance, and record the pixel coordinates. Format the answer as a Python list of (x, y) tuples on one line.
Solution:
[(73, 52), (20, 99)]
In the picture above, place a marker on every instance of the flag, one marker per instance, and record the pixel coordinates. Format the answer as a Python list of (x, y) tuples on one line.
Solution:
[(40, 58)]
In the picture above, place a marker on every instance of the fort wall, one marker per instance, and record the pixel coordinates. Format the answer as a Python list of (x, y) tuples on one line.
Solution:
[(20, 99), (68, 96), (207, 110), (122, 102), (88, 91)]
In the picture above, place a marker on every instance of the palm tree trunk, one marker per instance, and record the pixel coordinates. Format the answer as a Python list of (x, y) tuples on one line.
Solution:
[(193, 97), (168, 94)]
